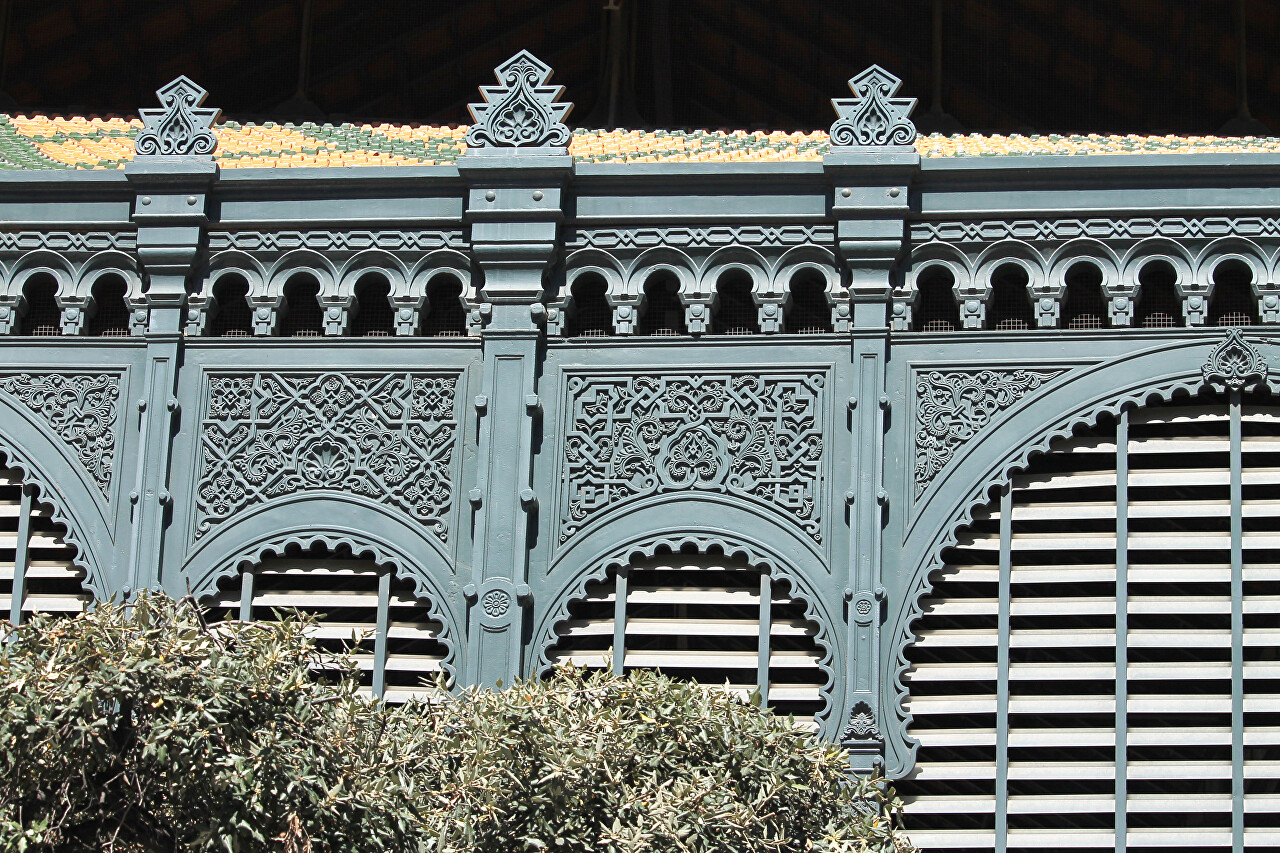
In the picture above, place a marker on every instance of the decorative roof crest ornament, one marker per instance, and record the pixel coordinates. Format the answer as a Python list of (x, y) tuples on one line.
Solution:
[(522, 111), (873, 116), (1234, 364), (181, 127)]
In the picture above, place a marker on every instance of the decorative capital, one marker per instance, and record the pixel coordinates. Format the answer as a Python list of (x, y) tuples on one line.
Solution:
[(522, 111), (180, 127), (861, 729), (1234, 364), (873, 116)]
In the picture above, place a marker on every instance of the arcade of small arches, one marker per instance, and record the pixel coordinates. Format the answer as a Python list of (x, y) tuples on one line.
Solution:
[(1006, 288)]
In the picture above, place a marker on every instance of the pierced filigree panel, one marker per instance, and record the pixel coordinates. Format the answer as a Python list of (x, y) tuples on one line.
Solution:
[(757, 437), (81, 408), (952, 407), (385, 436)]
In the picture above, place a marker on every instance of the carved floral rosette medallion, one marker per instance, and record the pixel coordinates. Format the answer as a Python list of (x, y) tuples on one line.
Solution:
[(389, 437), (80, 409), (954, 406), (757, 437)]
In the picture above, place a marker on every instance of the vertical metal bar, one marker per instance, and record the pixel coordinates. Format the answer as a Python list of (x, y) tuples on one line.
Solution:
[(1237, 627), (1002, 670), (620, 622), (1122, 632), (304, 50), (936, 66), (380, 635), (20, 557), (1242, 62), (246, 596), (660, 22), (766, 627)]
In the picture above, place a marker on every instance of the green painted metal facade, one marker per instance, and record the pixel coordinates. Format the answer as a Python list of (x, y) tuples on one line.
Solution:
[(545, 436)]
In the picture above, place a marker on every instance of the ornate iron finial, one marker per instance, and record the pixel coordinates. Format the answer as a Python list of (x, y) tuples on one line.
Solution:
[(179, 127), (520, 112), (861, 727), (873, 116), (1234, 364)]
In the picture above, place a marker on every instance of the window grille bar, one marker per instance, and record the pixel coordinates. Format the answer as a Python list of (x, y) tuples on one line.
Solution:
[(1237, 628), (1002, 670), (381, 630), (1122, 633), (246, 596), (20, 558), (620, 623), (766, 616)]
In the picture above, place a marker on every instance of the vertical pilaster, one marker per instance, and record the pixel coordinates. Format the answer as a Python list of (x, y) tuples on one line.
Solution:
[(514, 210), (169, 210), (870, 197)]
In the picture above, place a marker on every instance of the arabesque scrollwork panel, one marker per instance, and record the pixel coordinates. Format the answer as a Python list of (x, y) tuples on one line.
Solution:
[(953, 407), (81, 410), (754, 436), (389, 437)]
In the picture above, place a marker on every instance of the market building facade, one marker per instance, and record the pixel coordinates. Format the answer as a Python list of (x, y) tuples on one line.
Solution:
[(970, 462)]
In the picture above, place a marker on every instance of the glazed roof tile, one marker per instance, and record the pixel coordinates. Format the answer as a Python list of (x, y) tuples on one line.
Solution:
[(56, 142)]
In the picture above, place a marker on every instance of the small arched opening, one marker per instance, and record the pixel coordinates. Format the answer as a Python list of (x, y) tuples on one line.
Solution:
[(1010, 307), (446, 315), (935, 309), (375, 318), (1159, 306), (807, 311), (663, 312), (592, 316), (44, 315), (736, 312), (303, 316), (233, 317), (111, 308), (1084, 305), (1233, 302)]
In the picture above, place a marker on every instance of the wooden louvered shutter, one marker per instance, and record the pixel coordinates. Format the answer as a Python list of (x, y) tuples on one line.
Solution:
[(1117, 546), (37, 572), (359, 608), (700, 618)]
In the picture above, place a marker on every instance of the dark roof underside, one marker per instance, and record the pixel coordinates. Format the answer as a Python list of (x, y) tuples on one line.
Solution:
[(1139, 66)]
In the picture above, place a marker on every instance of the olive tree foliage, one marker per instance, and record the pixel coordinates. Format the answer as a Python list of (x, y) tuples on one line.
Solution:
[(143, 729)]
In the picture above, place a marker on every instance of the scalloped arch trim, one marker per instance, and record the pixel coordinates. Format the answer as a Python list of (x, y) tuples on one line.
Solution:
[(649, 546), (383, 554), (83, 559)]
